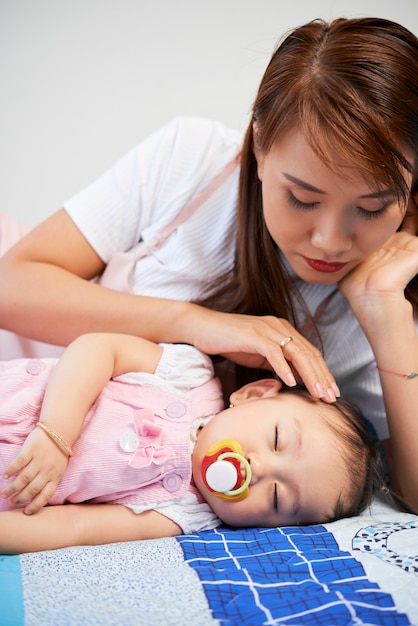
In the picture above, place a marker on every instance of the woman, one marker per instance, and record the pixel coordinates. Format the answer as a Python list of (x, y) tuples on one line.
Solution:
[(312, 284)]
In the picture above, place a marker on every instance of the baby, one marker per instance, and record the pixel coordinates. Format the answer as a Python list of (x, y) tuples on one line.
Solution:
[(125, 439)]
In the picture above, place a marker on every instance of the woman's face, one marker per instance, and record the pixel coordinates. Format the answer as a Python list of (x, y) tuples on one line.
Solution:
[(324, 224)]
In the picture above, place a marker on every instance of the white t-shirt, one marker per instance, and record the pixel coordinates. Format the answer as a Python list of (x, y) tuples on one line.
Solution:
[(147, 188), (180, 369)]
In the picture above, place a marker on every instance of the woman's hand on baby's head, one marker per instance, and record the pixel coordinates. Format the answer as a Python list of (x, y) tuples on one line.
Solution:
[(35, 473), (274, 344)]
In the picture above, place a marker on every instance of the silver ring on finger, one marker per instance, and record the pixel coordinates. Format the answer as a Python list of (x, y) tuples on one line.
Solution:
[(285, 341)]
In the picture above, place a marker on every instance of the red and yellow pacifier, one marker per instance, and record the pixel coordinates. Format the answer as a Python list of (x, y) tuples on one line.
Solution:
[(221, 471)]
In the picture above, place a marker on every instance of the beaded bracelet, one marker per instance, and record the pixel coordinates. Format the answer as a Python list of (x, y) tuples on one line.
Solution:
[(410, 375), (64, 447)]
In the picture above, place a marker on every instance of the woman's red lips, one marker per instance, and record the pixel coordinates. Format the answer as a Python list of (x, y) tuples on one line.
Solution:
[(323, 266)]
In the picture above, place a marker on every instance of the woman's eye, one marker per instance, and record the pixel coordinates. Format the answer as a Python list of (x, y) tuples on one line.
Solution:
[(275, 499), (276, 438), (298, 204), (370, 215)]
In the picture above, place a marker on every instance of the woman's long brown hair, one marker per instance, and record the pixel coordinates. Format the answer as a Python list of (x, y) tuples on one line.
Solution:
[(351, 87)]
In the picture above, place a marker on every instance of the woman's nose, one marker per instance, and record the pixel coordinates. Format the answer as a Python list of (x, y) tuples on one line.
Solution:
[(332, 235)]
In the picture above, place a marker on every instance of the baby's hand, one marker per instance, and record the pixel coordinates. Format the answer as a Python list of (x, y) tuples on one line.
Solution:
[(37, 470)]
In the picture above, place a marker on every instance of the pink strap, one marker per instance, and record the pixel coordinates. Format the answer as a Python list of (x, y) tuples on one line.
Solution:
[(187, 211), (118, 272)]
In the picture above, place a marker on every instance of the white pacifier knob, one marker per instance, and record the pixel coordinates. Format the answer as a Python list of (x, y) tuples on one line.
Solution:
[(221, 476)]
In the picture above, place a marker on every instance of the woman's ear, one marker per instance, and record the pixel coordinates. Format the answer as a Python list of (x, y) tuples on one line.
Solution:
[(264, 388)]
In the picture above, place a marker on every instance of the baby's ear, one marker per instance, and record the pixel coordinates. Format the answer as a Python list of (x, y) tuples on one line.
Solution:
[(264, 388)]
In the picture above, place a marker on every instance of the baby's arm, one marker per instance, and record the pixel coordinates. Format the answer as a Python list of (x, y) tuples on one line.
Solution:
[(76, 381), (68, 525)]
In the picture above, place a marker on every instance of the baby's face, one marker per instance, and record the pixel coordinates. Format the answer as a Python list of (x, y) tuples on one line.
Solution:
[(298, 472)]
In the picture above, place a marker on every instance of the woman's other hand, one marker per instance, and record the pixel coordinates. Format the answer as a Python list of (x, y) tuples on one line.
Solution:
[(378, 283)]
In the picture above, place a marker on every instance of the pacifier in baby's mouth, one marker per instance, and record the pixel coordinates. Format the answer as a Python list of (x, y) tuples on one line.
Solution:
[(221, 471)]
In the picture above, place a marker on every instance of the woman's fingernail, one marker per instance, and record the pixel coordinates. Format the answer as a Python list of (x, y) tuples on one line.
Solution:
[(320, 390), (336, 389), (331, 394), (290, 380)]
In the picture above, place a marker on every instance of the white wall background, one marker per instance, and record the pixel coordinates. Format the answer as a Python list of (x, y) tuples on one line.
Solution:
[(83, 80)]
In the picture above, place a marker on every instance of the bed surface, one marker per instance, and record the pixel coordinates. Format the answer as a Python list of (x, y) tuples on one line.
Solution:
[(357, 571)]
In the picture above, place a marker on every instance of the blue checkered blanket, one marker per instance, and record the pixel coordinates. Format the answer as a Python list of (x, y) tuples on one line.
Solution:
[(358, 571)]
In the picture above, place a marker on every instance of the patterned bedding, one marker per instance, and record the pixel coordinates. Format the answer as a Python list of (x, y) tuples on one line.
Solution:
[(358, 571)]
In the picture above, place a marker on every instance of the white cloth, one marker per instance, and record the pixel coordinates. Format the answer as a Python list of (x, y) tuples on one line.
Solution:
[(147, 188), (180, 368)]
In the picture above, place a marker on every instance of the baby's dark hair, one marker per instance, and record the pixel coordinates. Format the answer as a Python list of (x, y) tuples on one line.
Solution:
[(364, 457)]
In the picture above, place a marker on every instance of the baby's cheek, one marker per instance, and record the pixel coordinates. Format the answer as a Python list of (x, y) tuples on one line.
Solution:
[(234, 514)]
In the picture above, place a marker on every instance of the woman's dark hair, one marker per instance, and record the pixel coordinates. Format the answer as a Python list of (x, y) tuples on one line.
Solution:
[(351, 87)]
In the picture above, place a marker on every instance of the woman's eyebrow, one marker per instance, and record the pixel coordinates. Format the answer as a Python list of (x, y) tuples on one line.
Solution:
[(302, 183), (379, 194), (384, 193)]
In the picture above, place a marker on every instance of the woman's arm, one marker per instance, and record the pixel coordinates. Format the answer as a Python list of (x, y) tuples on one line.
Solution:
[(48, 273), (375, 291), (68, 525), (56, 261), (76, 381)]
